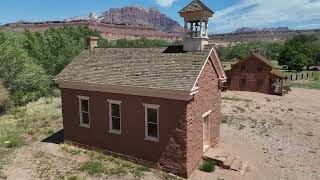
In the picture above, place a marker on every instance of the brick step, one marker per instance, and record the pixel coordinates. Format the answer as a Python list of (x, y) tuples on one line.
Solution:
[(226, 160), (236, 165), (229, 161), (244, 166)]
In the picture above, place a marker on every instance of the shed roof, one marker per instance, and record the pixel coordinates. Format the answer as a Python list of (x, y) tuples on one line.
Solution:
[(195, 5), (265, 61), (160, 68)]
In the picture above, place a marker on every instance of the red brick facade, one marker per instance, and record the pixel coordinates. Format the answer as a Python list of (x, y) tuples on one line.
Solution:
[(180, 146), (251, 74), (207, 99)]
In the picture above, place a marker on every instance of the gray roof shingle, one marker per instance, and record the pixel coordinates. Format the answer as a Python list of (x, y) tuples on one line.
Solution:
[(196, 5), (137, 67)]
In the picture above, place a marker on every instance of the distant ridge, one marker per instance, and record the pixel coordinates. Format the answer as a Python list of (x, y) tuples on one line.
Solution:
[(116, 23), (258, 35), (141, 17)]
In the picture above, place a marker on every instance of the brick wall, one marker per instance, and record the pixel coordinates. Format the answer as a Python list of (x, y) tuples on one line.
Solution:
[(208, 98), (169, 153)]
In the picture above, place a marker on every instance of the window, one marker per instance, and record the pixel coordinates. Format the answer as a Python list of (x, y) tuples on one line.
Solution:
[(151, 122), (84, 111), (243, 67), (115, 116), (259, 68)]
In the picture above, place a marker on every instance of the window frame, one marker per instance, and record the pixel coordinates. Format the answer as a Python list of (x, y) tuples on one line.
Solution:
[(85, 98), (111, 130), (147, 137)]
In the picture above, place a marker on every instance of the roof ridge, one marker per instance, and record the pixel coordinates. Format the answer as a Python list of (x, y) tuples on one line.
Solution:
[(200, 3)]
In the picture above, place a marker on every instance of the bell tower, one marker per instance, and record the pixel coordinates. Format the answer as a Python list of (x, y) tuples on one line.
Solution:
[(196, 16)]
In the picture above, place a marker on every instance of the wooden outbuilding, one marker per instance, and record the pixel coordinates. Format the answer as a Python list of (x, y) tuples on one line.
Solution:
[(255, 73)]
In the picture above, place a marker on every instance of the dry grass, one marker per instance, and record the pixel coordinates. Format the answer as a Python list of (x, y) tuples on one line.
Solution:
[(104, 165), (21, 125)]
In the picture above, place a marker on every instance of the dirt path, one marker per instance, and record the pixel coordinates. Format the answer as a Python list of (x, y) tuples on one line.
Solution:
[(279, 136)]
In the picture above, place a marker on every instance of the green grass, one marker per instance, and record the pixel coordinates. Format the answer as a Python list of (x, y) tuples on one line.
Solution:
[(22, 124), (306, 85), (93, 167), (207, 166), (100, 163)]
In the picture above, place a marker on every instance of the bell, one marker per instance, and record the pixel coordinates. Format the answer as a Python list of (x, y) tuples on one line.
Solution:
[(197, 24)]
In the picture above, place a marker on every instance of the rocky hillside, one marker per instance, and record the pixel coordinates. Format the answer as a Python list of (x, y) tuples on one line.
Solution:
[(258, 35), (141, 17)]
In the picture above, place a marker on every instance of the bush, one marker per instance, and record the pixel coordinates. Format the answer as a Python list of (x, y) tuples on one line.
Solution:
[(207, 166), (30, 84)]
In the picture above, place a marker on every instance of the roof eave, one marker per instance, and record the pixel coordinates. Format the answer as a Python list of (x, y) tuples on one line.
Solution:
[(138, 91)]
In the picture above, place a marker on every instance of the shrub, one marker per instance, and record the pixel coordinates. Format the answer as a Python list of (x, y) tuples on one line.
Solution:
[(30, 84), (207, 166)]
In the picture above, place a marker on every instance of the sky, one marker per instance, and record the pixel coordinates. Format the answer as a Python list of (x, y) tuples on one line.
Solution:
[(229, 14)]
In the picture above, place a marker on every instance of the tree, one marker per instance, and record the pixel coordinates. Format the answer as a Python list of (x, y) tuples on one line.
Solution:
[(304, 48), (25, 80)]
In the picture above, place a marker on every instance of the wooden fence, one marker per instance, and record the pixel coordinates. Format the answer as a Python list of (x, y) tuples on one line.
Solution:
[(299, 76)]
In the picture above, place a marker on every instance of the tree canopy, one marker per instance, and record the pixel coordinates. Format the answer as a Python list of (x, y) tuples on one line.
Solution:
[(29, 61), (301, 51)]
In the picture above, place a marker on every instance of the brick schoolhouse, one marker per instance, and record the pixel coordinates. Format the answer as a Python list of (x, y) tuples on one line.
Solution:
[(157, 105)]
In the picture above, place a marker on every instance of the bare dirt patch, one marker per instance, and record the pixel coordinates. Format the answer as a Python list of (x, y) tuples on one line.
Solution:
[(280, 138)]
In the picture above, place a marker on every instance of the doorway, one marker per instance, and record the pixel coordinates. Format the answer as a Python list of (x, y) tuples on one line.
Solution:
[(206, 133)]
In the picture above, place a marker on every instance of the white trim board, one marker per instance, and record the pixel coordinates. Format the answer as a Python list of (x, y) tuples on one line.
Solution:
[(110, 116), (80, 111)]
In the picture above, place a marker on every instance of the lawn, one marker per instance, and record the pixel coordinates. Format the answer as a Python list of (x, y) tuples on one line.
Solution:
[(305, 84)]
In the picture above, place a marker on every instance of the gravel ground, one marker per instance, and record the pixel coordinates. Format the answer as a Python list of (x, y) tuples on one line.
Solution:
[(279, 136)]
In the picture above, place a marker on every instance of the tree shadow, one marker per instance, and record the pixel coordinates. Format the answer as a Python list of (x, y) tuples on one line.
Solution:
[(56, 138)]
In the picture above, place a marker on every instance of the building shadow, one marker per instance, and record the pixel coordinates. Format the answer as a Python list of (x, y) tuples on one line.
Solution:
[(56, 138)]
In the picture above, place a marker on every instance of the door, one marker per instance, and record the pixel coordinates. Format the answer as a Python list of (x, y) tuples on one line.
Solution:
[(206, 133)]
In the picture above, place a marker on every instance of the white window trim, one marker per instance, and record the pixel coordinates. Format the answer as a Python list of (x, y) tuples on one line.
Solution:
[(206, 113), (80, 111), (110, 116), (151, 106)]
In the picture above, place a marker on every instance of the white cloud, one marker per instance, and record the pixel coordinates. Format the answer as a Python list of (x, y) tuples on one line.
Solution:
[(165, 3), (262, 13)]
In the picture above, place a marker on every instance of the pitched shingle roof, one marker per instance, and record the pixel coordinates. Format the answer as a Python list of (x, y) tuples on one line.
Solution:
[(196, 5), (137, 67)]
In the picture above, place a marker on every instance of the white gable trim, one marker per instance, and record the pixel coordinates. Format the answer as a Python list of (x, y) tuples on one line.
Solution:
[(138, 91), (204, 65)]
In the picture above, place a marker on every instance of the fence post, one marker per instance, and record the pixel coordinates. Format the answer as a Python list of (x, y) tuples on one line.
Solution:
[(302, 76), (296, 76), (307, 75), (291, 77)]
